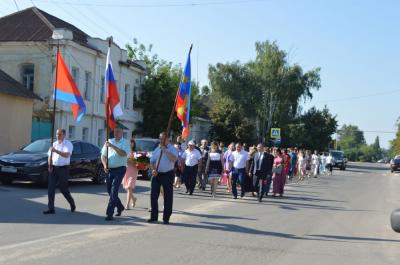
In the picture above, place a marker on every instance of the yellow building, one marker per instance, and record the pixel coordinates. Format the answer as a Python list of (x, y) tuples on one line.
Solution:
[(16, 106)]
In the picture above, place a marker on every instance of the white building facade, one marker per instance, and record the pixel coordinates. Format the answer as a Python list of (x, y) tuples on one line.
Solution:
[(33, 63)]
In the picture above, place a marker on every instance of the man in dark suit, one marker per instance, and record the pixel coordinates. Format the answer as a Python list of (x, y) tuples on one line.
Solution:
[(262, 169)]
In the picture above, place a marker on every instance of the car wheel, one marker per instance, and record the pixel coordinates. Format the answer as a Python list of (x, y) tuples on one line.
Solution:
[(145, 174), (6, 181), (100, 177)]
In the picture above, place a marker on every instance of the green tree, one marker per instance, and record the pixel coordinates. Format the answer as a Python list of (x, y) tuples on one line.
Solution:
[(313, 130), (377, 148), (395, 143), (234, 97), (350, 137), (229, 122), (281, 86)]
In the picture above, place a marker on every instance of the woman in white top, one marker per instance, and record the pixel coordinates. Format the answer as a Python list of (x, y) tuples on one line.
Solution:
[(214, 167)]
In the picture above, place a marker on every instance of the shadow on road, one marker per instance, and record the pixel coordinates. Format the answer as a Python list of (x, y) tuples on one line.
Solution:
[(19, 205), (355, 239), (215, 216)]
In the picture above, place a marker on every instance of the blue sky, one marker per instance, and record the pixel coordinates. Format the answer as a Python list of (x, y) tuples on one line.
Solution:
[(356, 43)]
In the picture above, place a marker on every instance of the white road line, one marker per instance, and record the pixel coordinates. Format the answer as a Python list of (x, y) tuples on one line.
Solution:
[(22, 244)]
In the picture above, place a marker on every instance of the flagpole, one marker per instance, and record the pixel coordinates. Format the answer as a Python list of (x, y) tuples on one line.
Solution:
[(171, 116), (107, 107), (54, 107)]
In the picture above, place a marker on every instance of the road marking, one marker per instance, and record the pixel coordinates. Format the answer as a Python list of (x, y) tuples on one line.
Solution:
[(22, 244), (30, 250)]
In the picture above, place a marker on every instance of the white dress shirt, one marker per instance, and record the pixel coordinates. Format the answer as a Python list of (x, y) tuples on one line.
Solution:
[(240, 159), (191, 157), (65, 147)]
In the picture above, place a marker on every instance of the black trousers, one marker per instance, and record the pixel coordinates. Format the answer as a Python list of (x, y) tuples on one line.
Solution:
[(114, 180), (59, 176), (190, 174), (166, 180)]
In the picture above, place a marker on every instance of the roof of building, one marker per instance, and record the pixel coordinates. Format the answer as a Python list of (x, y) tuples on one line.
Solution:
[(133, 64), (33, 24), (10, 86)]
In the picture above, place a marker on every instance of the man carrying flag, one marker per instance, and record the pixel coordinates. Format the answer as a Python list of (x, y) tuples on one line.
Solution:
[(115, 151), (162, 161), (60, 152)]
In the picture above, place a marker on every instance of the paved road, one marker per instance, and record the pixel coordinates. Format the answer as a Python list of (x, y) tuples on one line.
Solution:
[(339, 219)]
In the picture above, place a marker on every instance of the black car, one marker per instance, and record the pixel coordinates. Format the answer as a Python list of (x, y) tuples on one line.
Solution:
[(395, 164), (340, 161), (30, 163)]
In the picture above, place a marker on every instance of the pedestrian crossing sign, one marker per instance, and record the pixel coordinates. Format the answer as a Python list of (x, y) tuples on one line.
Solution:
[(276, 133)]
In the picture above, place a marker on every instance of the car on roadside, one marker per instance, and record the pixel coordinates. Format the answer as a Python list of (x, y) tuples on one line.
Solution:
[(143, 151), (31, 164), (395, 164), (383, 160), (340, 160)]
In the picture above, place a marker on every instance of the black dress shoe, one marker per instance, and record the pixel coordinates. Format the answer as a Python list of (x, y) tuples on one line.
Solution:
[(234, 197), (152, 220), (109, 218), (73, 207), (166, 222), (49, 212), (120, 211)]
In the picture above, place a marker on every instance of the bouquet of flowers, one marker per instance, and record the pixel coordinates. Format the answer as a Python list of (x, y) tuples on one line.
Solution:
[(143, 160)]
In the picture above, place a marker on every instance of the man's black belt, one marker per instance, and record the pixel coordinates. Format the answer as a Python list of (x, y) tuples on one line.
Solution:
[(61, 166), (166, 173)]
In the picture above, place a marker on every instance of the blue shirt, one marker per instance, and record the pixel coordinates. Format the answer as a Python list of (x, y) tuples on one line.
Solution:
[(165, 164), (114, 159)]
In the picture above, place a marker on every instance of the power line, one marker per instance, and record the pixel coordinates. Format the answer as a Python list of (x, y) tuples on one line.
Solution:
[(16, 5), (193, 4)]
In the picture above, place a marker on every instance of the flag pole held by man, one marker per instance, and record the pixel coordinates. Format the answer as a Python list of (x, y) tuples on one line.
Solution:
[(162, 162), (60, 153), (114, 153)]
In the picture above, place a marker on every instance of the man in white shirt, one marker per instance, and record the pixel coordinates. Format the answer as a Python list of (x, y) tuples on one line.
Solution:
[(330, 160), (192, 157), (59, 160), (240, 158)]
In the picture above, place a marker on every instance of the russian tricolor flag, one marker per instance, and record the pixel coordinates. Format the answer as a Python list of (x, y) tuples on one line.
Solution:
[(113, 106), (66, 89)]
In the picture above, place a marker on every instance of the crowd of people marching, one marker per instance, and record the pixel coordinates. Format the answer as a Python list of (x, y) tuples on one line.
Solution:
[(240, 168), (254, 168)]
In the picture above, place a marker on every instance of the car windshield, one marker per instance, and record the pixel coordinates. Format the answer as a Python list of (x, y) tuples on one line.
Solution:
[(39, 146), (145, 145), (337, 155), (397, 161)]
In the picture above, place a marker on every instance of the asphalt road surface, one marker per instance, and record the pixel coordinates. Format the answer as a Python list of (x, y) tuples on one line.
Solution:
[(338, 219)]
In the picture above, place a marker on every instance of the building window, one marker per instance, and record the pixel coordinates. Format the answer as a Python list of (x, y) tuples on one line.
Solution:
[(102, 89), (135, 97), (126, 98), (71, 132), (28, 72), (100, 137), (88, 78), (75, 75), (137, 81), (85, 134)]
